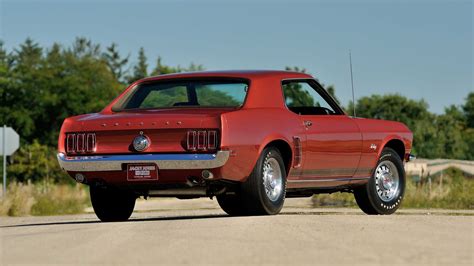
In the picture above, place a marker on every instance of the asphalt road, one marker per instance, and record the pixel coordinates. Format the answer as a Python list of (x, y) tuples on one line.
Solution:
[(197, 232)]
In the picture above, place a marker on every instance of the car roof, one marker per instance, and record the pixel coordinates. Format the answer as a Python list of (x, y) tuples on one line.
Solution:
[(246, 74)]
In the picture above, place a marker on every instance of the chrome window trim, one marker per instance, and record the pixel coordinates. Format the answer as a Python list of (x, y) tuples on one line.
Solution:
[(99, 163)]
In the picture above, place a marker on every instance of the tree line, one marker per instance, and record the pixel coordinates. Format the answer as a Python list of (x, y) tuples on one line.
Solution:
[(41, 86)]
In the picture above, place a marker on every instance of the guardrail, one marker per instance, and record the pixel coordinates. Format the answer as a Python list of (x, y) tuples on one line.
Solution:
[(425, 167)]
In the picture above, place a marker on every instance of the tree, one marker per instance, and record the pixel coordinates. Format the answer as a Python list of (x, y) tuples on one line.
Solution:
[(392, 107), (195, 67), (295, 69), (140, 70), (469, 140), (4, 81), (82, 47), (161, 69), (468, 109), (115, 61), (20, 84), (451, 128)]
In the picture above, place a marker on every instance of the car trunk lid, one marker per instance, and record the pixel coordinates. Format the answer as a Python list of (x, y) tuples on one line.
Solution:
[(166, 128)]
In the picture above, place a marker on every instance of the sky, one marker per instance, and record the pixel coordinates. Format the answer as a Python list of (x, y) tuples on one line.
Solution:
[(420, 49)]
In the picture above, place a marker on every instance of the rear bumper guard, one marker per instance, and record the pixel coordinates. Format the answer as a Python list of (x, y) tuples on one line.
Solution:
[(163, 161)]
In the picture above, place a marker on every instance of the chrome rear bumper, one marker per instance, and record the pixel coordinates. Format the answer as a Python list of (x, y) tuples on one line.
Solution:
[(163, 161)]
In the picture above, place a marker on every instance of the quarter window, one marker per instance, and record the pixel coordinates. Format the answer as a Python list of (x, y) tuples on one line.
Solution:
[(303, 99)]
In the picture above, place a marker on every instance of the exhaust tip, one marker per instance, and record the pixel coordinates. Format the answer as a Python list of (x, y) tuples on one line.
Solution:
[(80, 178), (207, 175)]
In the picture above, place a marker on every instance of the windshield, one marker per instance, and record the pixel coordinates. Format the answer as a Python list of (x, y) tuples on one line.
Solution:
[(176, 94)]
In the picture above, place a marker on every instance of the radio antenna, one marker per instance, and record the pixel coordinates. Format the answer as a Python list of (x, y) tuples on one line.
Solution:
[(352, 83)]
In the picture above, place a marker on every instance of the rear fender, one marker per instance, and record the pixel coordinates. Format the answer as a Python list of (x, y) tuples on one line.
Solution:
[(246, 133)]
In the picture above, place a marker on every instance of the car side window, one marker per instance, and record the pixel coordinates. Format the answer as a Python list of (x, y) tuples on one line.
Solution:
[(303, 99)]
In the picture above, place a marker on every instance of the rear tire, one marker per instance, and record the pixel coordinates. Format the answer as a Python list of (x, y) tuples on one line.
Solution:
[(384, 192), (112, 205), (231, 204), (264, 191)]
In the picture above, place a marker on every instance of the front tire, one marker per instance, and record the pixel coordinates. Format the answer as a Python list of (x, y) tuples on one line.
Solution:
[(112, 205), (264, 191), (384, 192)]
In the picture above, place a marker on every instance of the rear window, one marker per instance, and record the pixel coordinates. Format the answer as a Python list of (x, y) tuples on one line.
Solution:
[(215, 93)]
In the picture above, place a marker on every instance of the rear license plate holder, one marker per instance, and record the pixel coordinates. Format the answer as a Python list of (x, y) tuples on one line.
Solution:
[(142, 172)]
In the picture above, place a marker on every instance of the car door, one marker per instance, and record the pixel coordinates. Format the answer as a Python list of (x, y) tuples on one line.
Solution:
[(332, 140)]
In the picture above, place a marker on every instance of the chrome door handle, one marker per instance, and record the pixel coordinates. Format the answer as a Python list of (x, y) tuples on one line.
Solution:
[(308, 123)]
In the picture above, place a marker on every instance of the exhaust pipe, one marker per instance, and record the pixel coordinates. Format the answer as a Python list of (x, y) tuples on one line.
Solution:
[(196, 191), (80, 178), (207, 175)]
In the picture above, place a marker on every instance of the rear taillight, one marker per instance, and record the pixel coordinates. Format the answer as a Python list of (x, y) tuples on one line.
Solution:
[(212, 140), (202, 143), (191, 140), (77, 143), (80, 143), (201, 140), (70, 143), (90, 142)]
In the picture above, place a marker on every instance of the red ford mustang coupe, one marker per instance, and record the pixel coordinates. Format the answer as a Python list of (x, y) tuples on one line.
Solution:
[(249, 138)]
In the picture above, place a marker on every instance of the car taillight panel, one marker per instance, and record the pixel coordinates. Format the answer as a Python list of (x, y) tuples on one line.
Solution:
[(77, 143), (201, 140)]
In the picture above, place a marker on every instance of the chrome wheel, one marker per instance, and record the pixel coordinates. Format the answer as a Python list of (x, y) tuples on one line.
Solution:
[(387, 181), (272, 179)]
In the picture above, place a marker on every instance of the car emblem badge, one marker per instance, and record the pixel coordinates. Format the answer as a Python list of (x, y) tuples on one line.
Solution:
[(373, 147), (141, 142)]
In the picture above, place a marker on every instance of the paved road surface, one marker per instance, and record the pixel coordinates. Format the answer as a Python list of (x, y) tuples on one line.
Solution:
[(197, 232)]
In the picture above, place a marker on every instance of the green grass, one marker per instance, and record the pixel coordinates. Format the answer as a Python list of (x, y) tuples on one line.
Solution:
[(448, 191), (44, 199)]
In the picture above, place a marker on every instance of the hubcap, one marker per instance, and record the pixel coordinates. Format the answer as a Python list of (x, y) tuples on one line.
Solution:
[(272, 179), (387, 181)]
